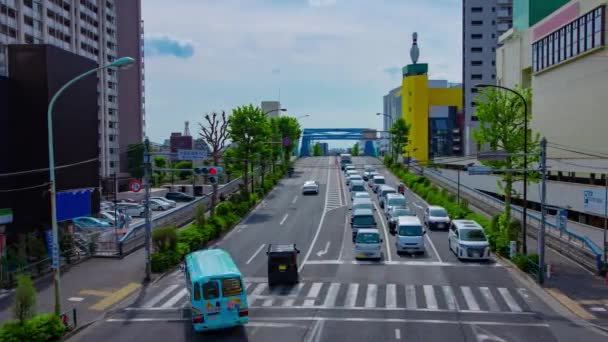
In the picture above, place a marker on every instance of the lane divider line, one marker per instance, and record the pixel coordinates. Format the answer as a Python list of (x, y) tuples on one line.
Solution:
[(255, 254), (284, 218)]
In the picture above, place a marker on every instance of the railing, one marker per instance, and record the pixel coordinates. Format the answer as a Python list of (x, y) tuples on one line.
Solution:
[(579, 247)]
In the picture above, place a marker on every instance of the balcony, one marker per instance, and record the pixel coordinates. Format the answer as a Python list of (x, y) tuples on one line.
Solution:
[(502, 27), (503, 14), (504, 2)]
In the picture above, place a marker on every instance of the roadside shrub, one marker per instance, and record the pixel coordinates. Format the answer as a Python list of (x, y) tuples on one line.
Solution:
[(164, 239), (199, 216), (217, 223), (41, 328), (464, 203), (224, 208), (24, 303), (161, 262), (193, 237), (181, 250), (526, 263)]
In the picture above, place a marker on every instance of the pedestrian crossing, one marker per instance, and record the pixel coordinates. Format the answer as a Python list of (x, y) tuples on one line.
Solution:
[(359, 296), (334, 193)]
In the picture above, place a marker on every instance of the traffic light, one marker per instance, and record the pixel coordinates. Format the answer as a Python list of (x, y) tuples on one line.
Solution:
[(211, 172)]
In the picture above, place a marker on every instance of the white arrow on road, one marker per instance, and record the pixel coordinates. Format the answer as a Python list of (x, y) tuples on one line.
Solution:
[(323, 252)]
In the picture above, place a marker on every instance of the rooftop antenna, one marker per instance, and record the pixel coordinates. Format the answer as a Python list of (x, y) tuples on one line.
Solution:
[(187, 129)]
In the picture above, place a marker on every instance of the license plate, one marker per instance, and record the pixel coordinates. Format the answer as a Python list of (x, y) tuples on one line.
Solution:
[(282, 267), (440, 225)]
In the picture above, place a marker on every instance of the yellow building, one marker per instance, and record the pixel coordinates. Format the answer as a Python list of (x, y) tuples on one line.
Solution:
[(417, 101)]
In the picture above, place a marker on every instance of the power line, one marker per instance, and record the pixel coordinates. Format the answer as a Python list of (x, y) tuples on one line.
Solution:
[(19, 173), (579, 152), (25, 188)]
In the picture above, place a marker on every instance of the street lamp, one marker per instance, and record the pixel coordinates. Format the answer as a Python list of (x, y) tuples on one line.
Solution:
[(302, 116), (524, 245), (276, 110), (118, 63)]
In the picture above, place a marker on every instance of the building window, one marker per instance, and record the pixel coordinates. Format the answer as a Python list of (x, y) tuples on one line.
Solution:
[(112, 164), (111, 137), (476, 22), (535, 57), (112, 111), (493, 35), (589, 32), (493, 9), (575, 38), (493, 22), (476, 36), (476, 76), (111, 124), (112, 98), (549, 50), (474, 90), (493, 63), (562, 44), (476, 9), (581, 35), (598, 38), (493, 49), (493, 76), (111, 150), (476, 49), (476, 63), (555, 47), (29, 39), (28, 20)]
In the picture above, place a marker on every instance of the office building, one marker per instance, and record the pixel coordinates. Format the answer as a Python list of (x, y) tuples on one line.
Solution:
[(390, 113), (483, 21), (87, 28), (271, 108)]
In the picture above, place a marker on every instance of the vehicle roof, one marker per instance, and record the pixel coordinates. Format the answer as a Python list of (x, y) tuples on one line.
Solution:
[(357, 182), (378, 177), (395, 196), (275, 248), (362, 212), (435, 207), (361, 194), (409, 220), (211, 263), (362, 200), (468, 224), (368, 230), (386, 187), (355, 176), (310, 182)]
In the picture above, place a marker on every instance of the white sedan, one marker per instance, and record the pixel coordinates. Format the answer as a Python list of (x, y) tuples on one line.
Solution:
[(172, 203), (310, 187)]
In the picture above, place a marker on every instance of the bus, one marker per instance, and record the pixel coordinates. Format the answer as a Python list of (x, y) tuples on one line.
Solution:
[(218, 297), (345, 159)]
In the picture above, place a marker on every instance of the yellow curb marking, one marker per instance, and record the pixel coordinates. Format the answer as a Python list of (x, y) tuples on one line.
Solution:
[(115, 297), (97, 293), (593, 302), (570, 304)]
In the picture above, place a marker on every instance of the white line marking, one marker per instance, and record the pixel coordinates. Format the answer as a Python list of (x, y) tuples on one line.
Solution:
[(370, 295), (397, 334), (433, 247), (154, 300), (410, 297), (288, 302), (511, 303), (268, 302), (294, 200), (255, 254), (76, 299), (332, 295), (469, 298), (259, 289), (450, 298), (309, 303), (487, 295), (400, 263), (323, 252), (181, 294), (351, 295), (400, 320), (343, 237), (391, 296), (429, 296), (284, 218), (296, 289), (314, 290), (314, 239), (247, 284), (386, 240), (524, 293)]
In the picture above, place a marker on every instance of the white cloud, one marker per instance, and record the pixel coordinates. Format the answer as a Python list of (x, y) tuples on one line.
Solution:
[(321, 3)]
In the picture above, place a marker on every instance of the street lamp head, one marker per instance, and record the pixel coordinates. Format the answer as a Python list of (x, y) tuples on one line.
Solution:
[(378, 114), (283, 109), (122, 63)]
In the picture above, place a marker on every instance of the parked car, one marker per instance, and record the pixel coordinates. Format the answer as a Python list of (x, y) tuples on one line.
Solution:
[(109, 216), (132, 209), (436, 218), (87, 222), (128, 200), (467, 240), (179, 197), (158, 205), (172, 203), (393, 216), (310, 187)]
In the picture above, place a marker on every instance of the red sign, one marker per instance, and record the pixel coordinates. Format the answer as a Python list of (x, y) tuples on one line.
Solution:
[(135, 185)]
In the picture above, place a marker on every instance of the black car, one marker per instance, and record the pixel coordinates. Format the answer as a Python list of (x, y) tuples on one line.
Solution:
[(282, 264), (179, 197)]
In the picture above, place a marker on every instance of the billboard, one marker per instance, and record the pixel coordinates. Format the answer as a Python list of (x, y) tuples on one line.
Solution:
[(594, 202)]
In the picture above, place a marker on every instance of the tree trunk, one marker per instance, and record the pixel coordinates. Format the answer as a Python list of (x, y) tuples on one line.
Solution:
[(214, 191)]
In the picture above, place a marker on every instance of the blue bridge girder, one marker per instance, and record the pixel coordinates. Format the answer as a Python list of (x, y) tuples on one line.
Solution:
[(311, 134)]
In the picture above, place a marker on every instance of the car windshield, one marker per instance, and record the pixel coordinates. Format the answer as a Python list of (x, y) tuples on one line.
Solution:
[(363, 206), (401, 212), (472, 235), (358, 188), (361, 195), (438, 213), (396, 202), (364, 220), (353, 177), (410, 230), (379, 181), (368, 238)]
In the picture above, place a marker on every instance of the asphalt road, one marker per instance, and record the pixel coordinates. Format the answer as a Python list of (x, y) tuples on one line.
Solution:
[(430, 297)]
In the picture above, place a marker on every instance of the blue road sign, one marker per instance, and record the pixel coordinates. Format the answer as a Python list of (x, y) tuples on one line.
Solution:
[(562, 219), (286, 141), (479, 170)]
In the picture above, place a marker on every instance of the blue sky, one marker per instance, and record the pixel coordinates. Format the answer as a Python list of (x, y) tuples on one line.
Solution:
[(331, 59)]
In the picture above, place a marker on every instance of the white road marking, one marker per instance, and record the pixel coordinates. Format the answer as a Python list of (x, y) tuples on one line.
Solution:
[(433, 247), (332, 295), (259, 289), (181, 294), (386, 235), (482, 335), (489, 298), (400, 320), (449, 297), (247, 284), (296, 289), (314, 290), (309, 302), (314, 239), (255, 254), (391, 296), (288, 302), (370, 295), (469, 298), (323, 252), (268, 302), (284, 218), (410, 297), (351, 295), (511, 303), (400, 263), (397, 334), (154, 300), (76, 299), (597, 309), (294, 200), (343, 237), (429, 296)]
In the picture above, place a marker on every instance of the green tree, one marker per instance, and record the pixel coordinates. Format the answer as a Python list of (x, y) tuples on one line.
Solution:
[(232, 166), (215, 133), (399, 132), (248, 129), (316, 150), (289, 128), (135, 160), (501, 127), (24, 302), (159, 176), (355, 150), (184, 164)]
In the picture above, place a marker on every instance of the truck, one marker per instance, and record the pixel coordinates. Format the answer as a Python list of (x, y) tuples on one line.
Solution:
[(345, 159)]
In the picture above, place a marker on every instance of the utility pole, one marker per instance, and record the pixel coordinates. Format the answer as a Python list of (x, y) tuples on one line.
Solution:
[(147, 165), (543, 199), (605, 218), (458, 190), (116, 218)]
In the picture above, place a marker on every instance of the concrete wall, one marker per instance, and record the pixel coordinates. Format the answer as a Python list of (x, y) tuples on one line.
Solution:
[(513, 57)]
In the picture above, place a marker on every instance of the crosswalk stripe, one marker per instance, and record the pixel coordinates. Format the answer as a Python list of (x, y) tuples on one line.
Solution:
[(314, 290), (391, 296), (449, 297), (296, 289), (247, 285), (332, 295), (410, 297), (429, 295), (370, 296), (511, 303), (309, 302), (351, 295), (181, 294), (268, 302), (259, 289), (487, 295), (160, 296), (469, 298), (288, 302)]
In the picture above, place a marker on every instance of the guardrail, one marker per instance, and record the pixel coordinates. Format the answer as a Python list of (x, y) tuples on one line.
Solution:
[(578, 247)]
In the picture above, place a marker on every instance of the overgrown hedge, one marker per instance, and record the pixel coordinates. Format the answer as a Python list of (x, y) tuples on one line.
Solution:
[(41, 328), (167, 254)]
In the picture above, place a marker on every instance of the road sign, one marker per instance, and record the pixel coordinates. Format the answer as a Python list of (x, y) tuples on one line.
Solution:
[(135, 185), (594, 201), (192, 154), (562, 219), (479, 170), (286, 141)]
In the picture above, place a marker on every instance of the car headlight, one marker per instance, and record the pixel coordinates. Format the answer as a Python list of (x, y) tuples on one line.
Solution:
[(462, 246)]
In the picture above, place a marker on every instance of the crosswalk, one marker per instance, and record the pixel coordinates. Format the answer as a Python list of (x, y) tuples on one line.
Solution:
[(359, 296), (334, 192)]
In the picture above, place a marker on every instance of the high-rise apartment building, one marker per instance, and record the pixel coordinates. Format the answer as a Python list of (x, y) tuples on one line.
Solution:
[(483, 21), (88, 28), (392, 112)]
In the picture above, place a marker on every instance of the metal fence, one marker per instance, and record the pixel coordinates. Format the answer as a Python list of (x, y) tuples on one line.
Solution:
[(578, 247)]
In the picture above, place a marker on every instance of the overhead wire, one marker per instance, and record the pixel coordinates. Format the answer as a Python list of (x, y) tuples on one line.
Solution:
[(25, 188)]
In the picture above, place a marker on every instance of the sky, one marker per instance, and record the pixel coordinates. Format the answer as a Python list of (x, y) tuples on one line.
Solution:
[(330, 59)]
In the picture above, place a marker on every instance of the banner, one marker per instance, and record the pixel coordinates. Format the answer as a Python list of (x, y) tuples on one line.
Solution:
[(48, 240), (594, 202), (73, 203)]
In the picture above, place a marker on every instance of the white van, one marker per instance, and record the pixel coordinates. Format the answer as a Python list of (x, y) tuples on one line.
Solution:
[(410, 235), (376, 181), (384, 190), (368, 244), (393, 200)]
